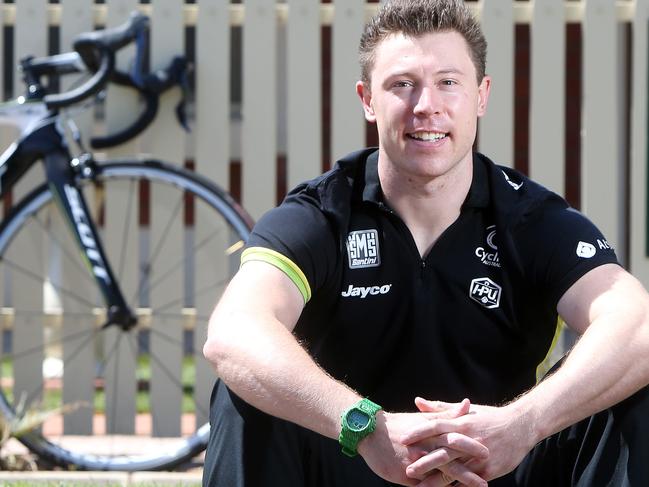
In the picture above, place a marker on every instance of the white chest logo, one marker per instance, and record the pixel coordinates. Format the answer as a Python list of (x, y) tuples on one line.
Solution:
[(489, 255), (586, 250), (486, 292), (363, 249), (363, 291)]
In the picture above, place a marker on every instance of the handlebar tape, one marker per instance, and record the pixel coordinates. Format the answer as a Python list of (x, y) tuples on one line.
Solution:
[(89, 88)]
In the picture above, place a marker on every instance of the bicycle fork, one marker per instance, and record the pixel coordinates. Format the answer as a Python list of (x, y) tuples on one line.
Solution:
[(73, 206)]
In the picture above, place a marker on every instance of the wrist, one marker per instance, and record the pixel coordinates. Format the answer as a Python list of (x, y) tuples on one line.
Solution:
[(357, 423), (380, 429), (529, 418)]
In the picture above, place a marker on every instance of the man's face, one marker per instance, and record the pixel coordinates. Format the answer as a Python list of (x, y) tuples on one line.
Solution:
[(425, 100)]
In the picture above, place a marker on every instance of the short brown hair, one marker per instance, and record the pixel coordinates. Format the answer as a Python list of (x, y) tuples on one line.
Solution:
[(418, 17)]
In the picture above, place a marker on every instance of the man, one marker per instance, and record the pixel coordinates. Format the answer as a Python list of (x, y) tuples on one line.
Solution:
[(423, 270)]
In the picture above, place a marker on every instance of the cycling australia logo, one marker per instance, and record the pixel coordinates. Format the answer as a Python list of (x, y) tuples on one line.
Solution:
[(486, 292), (489, 255), (363, 249)]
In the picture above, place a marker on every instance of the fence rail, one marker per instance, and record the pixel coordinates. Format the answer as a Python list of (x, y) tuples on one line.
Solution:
[(275, 82), (523, 12)]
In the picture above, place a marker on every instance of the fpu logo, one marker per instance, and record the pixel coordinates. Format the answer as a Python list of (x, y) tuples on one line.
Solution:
[(363, 249), (486, 292)]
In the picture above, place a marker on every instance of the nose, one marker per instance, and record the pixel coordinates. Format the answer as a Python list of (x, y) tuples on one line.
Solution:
[(427, 102)]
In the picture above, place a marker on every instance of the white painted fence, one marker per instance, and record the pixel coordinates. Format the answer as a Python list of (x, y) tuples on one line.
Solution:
[(282, 107)]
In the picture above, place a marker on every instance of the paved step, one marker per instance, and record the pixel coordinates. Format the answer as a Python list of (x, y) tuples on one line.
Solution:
[(189, 479)]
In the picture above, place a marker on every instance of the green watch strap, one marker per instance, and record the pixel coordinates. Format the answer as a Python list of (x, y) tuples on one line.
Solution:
[(350, 437)]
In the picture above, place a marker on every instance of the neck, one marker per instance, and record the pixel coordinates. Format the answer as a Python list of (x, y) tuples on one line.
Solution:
[(427, 204)]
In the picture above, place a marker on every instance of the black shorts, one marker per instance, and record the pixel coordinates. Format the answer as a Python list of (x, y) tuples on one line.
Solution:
[(248, 448)]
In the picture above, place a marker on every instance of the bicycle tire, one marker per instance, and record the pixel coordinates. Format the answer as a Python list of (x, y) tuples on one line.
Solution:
[(228, 223)]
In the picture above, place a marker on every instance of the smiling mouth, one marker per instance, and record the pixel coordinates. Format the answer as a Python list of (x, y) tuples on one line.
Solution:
[(428, 136)]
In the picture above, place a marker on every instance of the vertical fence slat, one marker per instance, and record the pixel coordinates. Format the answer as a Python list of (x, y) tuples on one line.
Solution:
[(28, 293), (496, 130), (259, 106), (639, 221), (601, 182), (347, 122), (547, 95), (213, 91), (304, 100), (119, 362), (120, 234), (78, 355), (121, 103), (212, 160), (166, 139), (7, 136)]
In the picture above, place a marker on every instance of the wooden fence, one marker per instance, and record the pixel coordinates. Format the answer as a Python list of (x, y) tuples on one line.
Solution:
[(275, 82)]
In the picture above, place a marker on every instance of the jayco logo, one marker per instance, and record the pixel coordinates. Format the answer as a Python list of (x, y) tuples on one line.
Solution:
[(489, 256), (363, 292), (363, 249)]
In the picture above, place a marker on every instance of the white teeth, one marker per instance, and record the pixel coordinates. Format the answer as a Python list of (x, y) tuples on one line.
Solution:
[(428, 136)]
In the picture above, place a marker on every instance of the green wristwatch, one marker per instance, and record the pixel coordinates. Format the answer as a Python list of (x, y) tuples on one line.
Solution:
[(357, 422)]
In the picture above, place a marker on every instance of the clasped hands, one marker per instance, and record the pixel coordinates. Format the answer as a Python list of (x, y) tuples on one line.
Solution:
[(449, 444)]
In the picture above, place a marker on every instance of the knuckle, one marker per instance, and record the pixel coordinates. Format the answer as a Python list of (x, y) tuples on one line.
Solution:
[(444, 456), (453, 440)]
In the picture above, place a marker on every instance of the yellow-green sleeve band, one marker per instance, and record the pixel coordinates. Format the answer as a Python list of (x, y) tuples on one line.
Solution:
[(283, 263)]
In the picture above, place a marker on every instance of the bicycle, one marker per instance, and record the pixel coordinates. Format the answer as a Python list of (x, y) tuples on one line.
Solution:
[(71, 212)]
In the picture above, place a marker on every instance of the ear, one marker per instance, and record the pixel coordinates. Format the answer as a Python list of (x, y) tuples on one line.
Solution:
[(364, 93), (483, 95)]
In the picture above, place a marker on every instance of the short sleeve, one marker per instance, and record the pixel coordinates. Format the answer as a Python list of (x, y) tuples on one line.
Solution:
[(297, 238), (558, 246)]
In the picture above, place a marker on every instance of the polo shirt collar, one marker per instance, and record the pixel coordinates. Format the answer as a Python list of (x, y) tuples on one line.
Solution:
[(478, 196)]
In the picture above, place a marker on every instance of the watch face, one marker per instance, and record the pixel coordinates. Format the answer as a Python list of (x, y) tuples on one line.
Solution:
[(357, 420)]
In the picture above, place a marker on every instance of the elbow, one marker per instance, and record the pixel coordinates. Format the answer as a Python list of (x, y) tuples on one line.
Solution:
[(216, 349), (218, 352), (211, 350)]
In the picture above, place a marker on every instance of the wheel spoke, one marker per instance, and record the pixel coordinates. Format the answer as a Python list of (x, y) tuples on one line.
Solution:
[(38, 278), (72, 258), (38, 348), (125, 233), (212, 240), (146, 268), (35, 392), (102, 365), (200, 292), (180, 263)]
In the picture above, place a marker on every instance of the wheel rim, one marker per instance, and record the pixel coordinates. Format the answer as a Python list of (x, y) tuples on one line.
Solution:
[(70, 325)]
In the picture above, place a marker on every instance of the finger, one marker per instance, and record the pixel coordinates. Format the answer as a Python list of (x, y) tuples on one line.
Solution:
[(460, 472), (452, 474), (464, 444), (426, 406), (434, 460), (428, 429), (461, 446)]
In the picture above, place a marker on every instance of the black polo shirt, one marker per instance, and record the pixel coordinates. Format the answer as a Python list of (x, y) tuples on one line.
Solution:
[(473, 318)]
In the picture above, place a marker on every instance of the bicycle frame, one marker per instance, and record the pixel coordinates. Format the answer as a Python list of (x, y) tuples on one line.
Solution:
[(42, 138)]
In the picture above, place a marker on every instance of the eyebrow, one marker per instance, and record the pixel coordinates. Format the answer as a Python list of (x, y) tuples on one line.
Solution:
[(449, 71), (442, 71)]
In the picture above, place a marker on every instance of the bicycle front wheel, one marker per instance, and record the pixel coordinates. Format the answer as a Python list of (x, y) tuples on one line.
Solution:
[(117, 399)]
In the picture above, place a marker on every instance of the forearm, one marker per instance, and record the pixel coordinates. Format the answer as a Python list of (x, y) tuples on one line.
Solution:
[(606, 365), (266, 366)]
